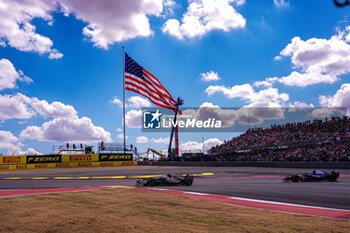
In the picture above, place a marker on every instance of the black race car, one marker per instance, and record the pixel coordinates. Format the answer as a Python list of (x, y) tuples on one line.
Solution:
[(313, 176), (169, 179)]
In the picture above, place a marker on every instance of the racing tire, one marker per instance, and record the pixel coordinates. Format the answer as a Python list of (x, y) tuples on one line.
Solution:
[(295, 178), (335, 173), (152, 182), (333, 177), (188, 182)]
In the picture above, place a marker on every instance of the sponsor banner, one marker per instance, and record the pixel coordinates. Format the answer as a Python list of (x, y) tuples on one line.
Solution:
[(51, 165), (30, 166), (80, 158), (129, 163), (62, 165), (84, 164), (115, 157), (73, 164), (13, 159), (21, 166), (106, 164), (96, 164), (43, 165), (4, 167), (66, 165), (44, 159)]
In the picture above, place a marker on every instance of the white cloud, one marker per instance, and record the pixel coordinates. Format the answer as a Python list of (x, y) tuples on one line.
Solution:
[(74, 130), (208, 110), (65, 127), (261, 105), (6, 137), (278, 58), (169, 3), (267, 83), (203, 16), (17, 31), (237, 91), (54, 54), (210, 76), (138, 102), (257, 115), (253, 114), (121, 136), (15, 106), (107, 21), (12, 144), (9, 75), (341, 99), (306, 79), (20, 106), (324, 112), (32, 151), (133, 102), (118, 102), (269, 97), (142, 139), (119, 130), (237, 2), (133, 119), (161, 140), (169, 6), (55, 109), (319, 60), (209, 143), (193, 146), (113, 21), (298, 104), (281, 3)]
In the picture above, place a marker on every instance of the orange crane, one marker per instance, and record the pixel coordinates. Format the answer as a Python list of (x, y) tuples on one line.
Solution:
[(155, 152)]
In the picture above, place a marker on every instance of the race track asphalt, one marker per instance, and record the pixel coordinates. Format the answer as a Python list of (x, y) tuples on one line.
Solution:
[(246, 182)]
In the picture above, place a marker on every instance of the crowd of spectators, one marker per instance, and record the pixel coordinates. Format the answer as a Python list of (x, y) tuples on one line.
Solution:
[(310, 141)]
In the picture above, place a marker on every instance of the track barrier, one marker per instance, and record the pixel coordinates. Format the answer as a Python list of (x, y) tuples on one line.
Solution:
[(21, 162)]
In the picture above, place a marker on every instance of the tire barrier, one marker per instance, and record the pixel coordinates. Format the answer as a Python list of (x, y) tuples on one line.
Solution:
[(21, 162)]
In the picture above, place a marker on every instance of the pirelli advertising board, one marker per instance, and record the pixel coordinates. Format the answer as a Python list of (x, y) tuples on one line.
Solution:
[(57, 159), (115, 157), (79, 158), (13, 159), (44, 159)]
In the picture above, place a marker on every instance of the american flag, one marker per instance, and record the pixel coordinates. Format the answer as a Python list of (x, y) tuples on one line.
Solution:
[(139, 80)]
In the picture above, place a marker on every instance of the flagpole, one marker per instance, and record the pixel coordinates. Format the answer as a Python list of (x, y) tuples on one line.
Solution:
[(124, 98)]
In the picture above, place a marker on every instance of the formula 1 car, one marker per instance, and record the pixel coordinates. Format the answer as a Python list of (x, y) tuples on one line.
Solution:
[(169, 179), (314, 176)]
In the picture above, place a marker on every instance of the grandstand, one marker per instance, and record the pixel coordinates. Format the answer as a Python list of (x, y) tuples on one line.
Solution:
[(325, 140)]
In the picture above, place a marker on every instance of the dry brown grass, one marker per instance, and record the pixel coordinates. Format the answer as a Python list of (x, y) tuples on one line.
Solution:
[(135, 210)]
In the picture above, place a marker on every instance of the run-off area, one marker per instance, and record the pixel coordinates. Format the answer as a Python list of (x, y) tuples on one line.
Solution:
[(241, 182)]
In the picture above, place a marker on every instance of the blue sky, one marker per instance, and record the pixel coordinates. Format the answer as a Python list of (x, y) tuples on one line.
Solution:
[(61, 64)]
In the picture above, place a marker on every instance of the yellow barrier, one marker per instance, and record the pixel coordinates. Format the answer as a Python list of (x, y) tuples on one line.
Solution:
[(4, 167), (13, 159), (66, 165), (80, 158)]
